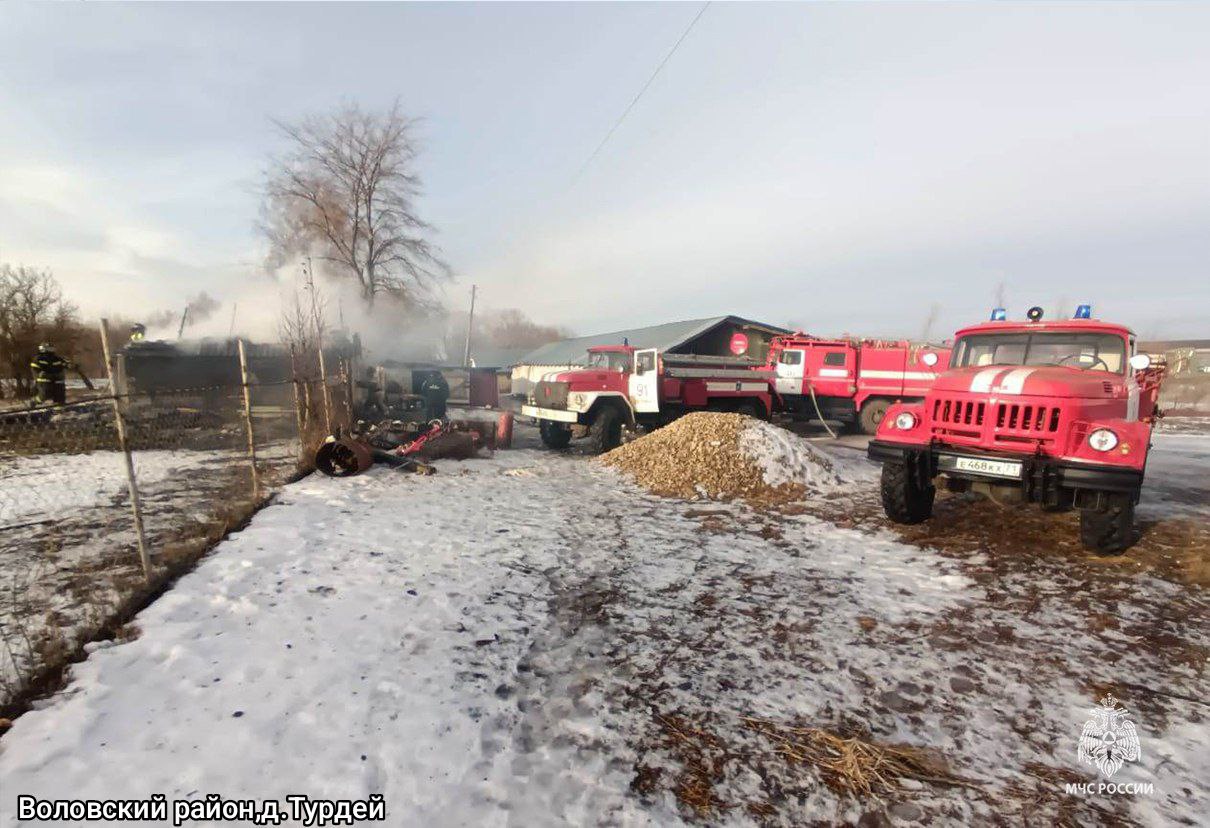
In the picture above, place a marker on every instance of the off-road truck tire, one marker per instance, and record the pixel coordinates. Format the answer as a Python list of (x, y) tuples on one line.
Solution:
[(752, 408), (872, 412), (903, 500), (554, 435), (605, 433), (1112, 531)]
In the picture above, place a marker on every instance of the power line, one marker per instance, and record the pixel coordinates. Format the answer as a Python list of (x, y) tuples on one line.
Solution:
[(635, 100)]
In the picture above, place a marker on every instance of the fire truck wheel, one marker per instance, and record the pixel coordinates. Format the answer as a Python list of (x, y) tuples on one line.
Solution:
[(1109, 532), (751, 409), (605, 433), (554, 435), (871, 415), (903, 500)]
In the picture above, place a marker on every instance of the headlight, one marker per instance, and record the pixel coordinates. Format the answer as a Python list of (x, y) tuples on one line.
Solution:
[(578, 400), (1102, 439), (907, 420)]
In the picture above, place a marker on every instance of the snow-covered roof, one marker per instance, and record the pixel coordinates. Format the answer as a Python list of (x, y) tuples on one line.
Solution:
[(491, 356), (666, 337)]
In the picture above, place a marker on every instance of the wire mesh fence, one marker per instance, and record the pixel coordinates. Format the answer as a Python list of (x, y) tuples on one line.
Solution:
[(202, 461)]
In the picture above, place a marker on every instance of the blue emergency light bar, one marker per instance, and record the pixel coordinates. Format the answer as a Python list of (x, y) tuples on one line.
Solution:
[(999, 314), (1083, 312)]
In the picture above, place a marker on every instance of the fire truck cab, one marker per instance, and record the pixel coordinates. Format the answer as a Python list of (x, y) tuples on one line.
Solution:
[(851, 381), (1053, 413), (626, 387)]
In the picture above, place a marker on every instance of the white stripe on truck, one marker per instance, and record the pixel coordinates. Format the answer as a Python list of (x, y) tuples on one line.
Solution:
[(907, 375), (982, 383), (737, 386), (1015, 380)]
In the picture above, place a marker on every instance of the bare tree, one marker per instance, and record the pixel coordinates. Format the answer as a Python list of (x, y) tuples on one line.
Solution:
[(32, 310), (511, 328), (345, 190), (303, 321), (503, 328)]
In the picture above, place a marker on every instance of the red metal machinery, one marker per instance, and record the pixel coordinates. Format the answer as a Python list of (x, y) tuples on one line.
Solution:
[(623, 386), (1054, 413), (853, 381)]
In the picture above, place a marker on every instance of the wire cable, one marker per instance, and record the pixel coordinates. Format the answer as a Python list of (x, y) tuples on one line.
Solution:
[(636, 98)]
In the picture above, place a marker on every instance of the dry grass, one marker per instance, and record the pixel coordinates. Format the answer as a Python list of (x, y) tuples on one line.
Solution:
[(854, 766), (791, 759), (1176, 549), (702, 756)]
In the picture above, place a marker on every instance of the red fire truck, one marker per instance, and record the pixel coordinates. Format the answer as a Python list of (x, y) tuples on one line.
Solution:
[(623, 386), (853, 381), (1055, 413)]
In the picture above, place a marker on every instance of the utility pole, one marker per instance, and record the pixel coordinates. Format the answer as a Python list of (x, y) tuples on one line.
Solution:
[(470, 321), (184, 316)]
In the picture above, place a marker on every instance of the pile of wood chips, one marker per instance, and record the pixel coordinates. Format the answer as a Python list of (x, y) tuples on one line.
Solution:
[(698, 457)]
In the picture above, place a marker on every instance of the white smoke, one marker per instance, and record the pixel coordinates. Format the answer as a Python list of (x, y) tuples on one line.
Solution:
[(254, 312)]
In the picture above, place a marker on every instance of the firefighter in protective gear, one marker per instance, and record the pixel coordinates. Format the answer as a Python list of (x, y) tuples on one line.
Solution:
[(138, 332), (49, 370), (435, 391), (373, 407)]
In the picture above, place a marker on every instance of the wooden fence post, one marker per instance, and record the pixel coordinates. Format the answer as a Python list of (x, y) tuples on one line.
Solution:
[(348, 371), (299, 416), (136, 505), (327, 396), (243, 371)]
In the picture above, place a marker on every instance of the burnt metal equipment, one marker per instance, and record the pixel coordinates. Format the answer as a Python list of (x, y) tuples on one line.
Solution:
[(392, 443)]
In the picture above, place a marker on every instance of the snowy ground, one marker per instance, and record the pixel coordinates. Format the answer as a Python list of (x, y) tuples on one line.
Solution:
[(67, 542), (530, 640)]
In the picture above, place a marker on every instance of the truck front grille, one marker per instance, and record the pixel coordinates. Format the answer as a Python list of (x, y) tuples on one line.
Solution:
[(1036, 419), (958, 412), (980, 422), (550, 394)]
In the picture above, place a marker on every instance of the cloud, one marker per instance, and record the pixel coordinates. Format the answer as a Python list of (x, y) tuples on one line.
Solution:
[(843, 165)]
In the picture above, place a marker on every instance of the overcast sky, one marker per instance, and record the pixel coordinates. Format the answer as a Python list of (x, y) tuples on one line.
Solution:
[(839, 166)]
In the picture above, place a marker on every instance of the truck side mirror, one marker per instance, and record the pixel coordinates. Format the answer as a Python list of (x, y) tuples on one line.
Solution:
[(1140, 362)]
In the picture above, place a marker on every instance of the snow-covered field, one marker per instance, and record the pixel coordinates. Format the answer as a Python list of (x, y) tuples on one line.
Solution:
[(50, 487), (67, 542), (1178, 469), (530, 640)]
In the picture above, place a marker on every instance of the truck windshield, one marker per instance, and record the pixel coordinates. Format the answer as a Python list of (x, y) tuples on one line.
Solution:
[(1089, 351), (609, 360)]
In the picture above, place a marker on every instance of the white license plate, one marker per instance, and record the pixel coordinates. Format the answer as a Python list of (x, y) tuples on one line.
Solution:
[(995, 468)]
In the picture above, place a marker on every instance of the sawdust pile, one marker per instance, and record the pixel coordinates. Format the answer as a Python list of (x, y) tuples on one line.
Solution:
[(716, 456)]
